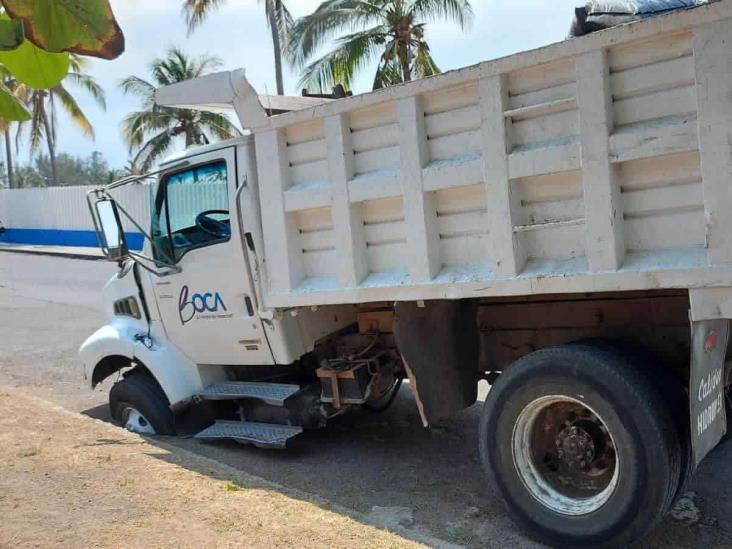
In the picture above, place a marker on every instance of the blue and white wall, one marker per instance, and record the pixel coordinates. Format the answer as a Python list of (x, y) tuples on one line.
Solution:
[(59, 216)]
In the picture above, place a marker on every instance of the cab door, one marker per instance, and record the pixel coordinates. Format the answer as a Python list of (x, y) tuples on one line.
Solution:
[(207, 308)]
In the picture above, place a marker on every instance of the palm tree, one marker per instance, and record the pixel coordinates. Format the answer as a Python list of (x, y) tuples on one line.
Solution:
[(150, 132), (279, 21), (391, 30), (44, 104)]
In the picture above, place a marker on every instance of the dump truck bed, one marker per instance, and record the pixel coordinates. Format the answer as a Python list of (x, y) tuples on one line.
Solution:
[(601, 163)]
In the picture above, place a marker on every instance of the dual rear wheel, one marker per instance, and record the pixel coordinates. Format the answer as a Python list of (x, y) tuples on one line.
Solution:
[(584, 446)]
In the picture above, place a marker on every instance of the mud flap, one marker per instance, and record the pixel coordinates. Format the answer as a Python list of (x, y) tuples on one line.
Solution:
[(706, 387), (440, 345)]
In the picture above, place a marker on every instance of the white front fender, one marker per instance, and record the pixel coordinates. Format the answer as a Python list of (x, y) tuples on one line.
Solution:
[(178, 376)]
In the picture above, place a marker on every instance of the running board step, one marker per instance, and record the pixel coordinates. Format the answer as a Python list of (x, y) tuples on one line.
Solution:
[(271, 393), (262, 435)]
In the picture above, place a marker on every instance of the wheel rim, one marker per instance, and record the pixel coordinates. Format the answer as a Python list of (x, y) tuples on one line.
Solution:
[(135, 422), (565, 455)]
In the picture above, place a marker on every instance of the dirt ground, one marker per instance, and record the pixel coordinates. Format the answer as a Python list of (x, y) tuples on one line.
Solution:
[(383, 470), (74, 481)]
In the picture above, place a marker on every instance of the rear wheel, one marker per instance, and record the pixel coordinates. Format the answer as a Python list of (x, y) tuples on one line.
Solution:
[(140, 405), (581, 446)]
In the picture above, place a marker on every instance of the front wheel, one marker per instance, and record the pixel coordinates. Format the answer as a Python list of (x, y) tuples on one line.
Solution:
[(580, 446), (140, 405)]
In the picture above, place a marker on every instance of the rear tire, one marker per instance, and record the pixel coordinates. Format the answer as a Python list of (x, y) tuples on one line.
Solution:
[(580, 445), (671, 390), (139, 403)]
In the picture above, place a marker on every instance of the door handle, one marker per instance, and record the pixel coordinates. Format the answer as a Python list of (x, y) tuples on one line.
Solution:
[(250, 241), (250, 307)]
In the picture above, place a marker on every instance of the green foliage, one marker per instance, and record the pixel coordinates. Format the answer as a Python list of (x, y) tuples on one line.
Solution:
[(72, 171), (37, 36), (12, 34), (12, 108), (27, 177), (151, 131), (85, 27), (35, 67), (390, 31)]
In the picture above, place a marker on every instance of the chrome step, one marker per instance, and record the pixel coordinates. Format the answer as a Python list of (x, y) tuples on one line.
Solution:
[(271, 393), (262, 435)]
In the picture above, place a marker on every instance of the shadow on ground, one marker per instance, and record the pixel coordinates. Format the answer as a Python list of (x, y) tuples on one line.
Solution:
[(100, 412), (429, 481)]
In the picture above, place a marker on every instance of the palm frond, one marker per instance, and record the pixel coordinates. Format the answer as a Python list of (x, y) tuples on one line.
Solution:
[(74, 111), (454, 11), (284, 20), (199, 135), (137, 125), (424, 64), (88, 84), (402, 47), (77, 63), (134, 85), (352, 53), (220, 126), (176, 66), (155, 147), (37, 122), (196, 11), (205, 64), (330, 19)]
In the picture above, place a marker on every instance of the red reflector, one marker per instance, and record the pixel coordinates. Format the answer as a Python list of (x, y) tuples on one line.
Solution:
[(710, 342)]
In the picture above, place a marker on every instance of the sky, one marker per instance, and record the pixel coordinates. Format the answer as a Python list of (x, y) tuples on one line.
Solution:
[(238, 34)]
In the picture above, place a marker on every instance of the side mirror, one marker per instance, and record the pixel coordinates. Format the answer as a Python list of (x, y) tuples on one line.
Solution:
[(109, 230)]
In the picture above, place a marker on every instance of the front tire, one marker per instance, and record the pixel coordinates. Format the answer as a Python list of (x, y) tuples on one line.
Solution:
[(139, 404), (580, 446)]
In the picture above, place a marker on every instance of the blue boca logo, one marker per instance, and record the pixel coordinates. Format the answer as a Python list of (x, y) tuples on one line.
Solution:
[(198, 303)]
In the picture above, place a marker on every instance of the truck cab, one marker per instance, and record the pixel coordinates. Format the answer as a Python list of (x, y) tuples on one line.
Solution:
[(186, 312)]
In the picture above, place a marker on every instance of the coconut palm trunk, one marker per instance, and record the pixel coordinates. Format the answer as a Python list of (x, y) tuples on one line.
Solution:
[(51, 151), (9, 159), (272, 9), (403, 49), (279, 20)]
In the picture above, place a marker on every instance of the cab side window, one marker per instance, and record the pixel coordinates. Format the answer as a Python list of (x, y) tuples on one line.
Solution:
[(191, 210)]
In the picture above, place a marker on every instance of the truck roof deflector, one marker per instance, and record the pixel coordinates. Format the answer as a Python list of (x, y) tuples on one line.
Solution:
[(217, 92)]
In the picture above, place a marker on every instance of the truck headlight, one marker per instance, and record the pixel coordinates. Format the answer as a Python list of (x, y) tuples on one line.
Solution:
[(127, 307)]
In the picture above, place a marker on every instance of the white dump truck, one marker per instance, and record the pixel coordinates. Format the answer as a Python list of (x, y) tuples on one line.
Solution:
[(557, 222)]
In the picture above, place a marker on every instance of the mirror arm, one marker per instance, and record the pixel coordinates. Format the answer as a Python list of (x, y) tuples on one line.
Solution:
[(168, 264), (135, 178), (141, 259)]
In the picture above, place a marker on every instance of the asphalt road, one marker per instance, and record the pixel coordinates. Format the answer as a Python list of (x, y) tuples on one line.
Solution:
[(386, 466)]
